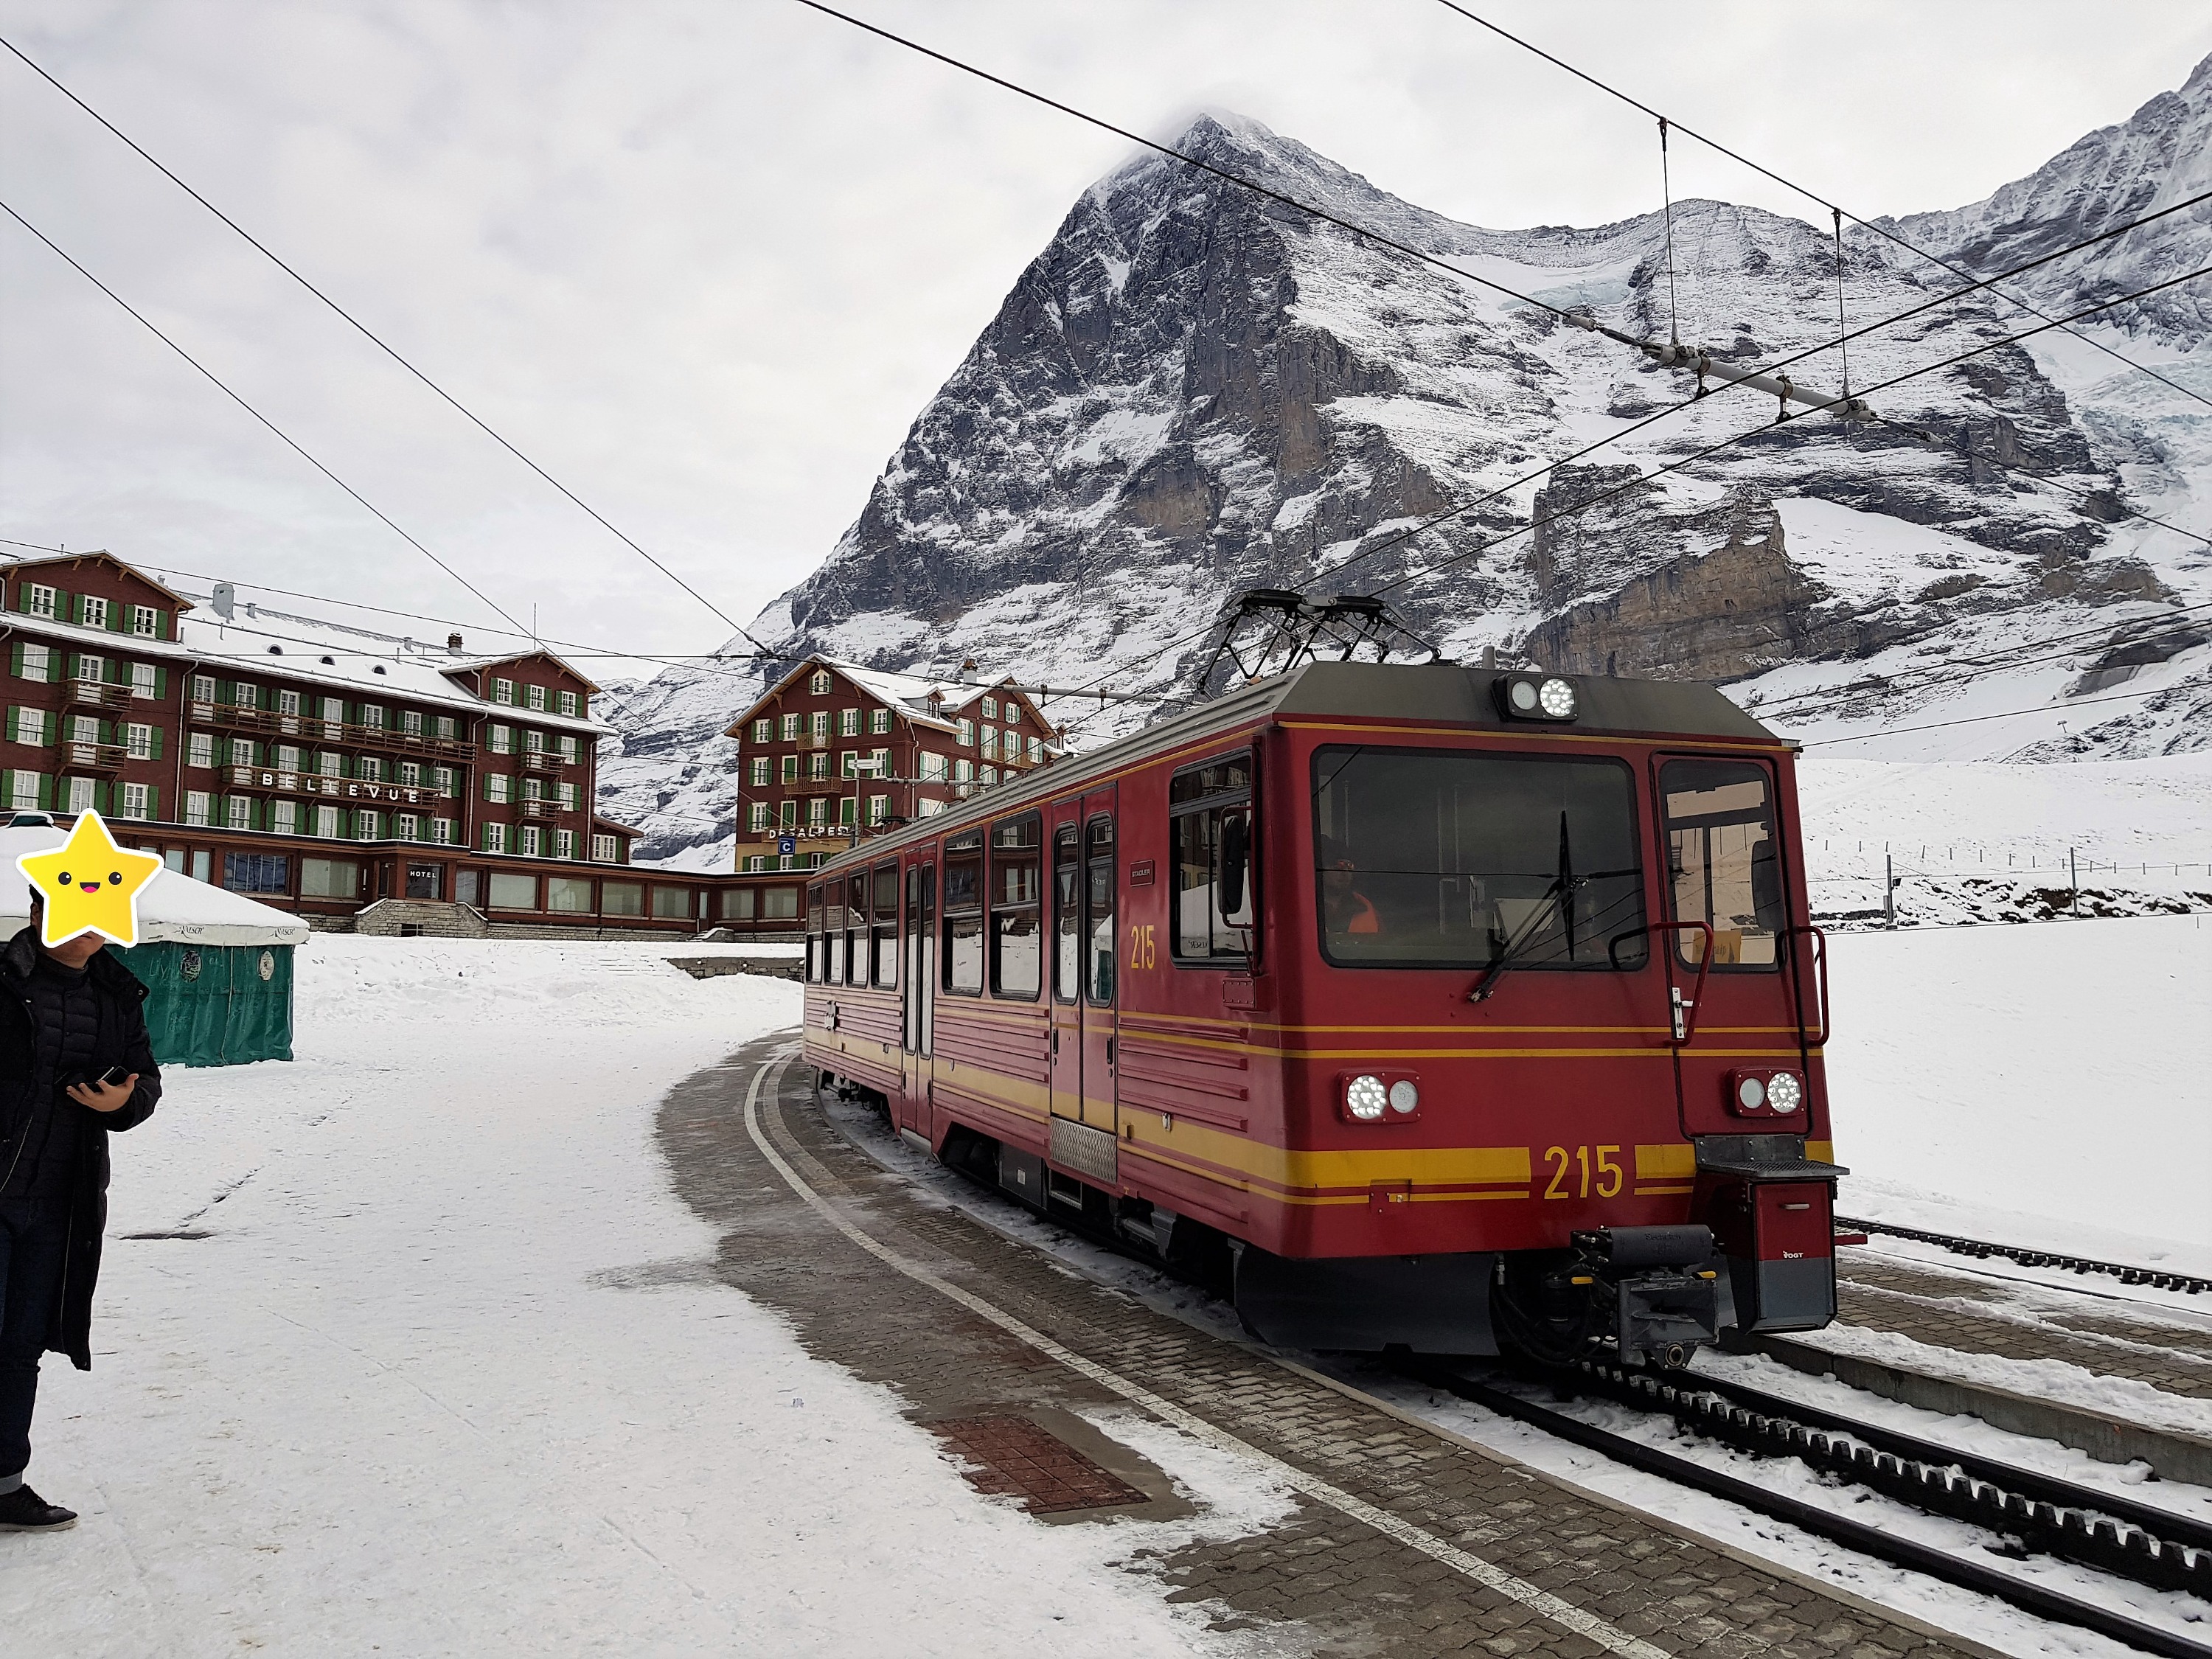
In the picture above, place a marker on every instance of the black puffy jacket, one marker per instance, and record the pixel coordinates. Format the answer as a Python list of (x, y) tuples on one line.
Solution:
[(121, 1040)]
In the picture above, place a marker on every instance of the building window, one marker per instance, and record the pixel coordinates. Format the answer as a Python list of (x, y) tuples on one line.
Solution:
[(37, 663), (963, 771), (967, 734), (495, 838), (879, 763), (533, 741), (572, 705), (329, 764), (879, 808), (237, 811), (284, 817), (406, 826), (202, 687), (849, 763), (533, 696), (817, 812), (987, 775), (288, 757), (513, 892), (326, 822), (791, 768), (1013, 713), (761, 767), (787, 813), (23, 791), (565, 793), (533, 841), (500, 739), (145, 680), (757, 816), (933, 769), (441, 831), (410, 775), (818, 765), (329, 878), (564, 843), (791, 728), (818, 725), (819, 685), (848, 722), (138, 742), (755, 863), (990, 743), (92, 611), (448, 728), (333, 711), (849, 810), (498, 789), (990, 709), (1037, 751), (288, 702), (132, 801), (38, 600), (370, 767), (366, 824), (257, 872), (879, 721), (443, 780), (410, 722), (91, 669), (603, 849), (196, 805), (372, 716), (503, 691), (81, 792), (763, 730), (571, 750)]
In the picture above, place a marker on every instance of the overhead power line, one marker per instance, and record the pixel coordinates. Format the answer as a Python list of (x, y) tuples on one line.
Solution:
[(1810, 195), (285, 437), (378, 341), (2006, 714)]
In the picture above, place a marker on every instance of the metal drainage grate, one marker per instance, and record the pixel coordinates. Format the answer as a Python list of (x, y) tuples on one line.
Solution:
[(1015, 1458)]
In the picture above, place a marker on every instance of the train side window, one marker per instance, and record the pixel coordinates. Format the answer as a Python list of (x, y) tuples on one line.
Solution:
[(1067, 912), (833, 938), (816, 946), (963, 913), (1017, 895), (1098, 912), (884, 933), (856, 929), (1210, 810), (1724, 863)]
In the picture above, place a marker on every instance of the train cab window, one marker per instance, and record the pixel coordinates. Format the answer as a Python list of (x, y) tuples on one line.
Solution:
[(856, 929), (963, 913), (817, 944), (1017, 896), (1428, 857), (883, 951), (1067, 912), (1210, 809), (1098, 912), (1722, 863)]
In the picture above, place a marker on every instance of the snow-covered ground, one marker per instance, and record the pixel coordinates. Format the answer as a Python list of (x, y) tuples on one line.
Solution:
[(446, 1375)]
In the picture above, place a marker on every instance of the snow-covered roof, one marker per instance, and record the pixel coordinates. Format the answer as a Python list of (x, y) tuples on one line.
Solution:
[(911, 694), (172, 909), (259, 641)]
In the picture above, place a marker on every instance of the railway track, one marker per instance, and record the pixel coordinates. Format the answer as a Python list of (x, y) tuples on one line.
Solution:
[(1982, 1250), (2033, 1513)]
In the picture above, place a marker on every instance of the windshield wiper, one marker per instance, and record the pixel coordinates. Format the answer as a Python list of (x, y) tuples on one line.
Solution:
[(1563, 888)]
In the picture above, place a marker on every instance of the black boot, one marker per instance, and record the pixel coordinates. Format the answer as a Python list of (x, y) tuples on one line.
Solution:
[(24, 1510)]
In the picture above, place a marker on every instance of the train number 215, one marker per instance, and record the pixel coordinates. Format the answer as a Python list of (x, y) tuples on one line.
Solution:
[(1143, 953), (1608, 1172)]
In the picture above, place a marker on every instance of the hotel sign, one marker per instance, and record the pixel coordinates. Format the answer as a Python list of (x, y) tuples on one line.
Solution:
[(311, 783)]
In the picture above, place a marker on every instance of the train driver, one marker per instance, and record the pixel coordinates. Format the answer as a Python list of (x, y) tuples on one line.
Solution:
[(1348, 909)]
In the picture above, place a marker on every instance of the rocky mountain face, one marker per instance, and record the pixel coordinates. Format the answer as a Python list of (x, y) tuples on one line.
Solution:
[(1193, 390)]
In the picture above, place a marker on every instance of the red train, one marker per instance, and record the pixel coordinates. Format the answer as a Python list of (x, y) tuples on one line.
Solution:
[(1425, 1005)]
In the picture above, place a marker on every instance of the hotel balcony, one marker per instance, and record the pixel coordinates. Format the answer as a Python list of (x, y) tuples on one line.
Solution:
[(93, 757), (93, 694), (545, 760), (346, 733)]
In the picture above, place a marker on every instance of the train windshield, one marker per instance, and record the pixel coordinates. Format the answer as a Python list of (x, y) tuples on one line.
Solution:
[(1433, 858)]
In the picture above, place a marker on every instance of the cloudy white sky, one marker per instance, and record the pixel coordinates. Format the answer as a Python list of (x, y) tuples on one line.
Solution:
[(706, 261)]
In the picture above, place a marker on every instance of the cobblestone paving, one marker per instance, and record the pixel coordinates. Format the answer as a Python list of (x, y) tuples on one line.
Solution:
[(1321, 1581), (2021, 1322)]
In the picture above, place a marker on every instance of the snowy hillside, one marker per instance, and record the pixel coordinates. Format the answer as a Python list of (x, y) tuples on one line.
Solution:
[(1193, 390)]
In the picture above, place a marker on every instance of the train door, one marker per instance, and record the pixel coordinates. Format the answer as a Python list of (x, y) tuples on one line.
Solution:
[(917, 984), (1720, 833), (1064, 835), (1084, 1130)]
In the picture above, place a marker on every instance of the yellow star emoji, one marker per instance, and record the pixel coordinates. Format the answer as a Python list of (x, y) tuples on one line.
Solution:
[(90, 885)]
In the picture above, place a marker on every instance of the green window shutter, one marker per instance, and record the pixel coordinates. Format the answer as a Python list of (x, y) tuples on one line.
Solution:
[(68, 665), (157, 743), (161, 679), (99, 794), (16, 659), (45, 790), (74, 610), (15, 724), (153, 799), (118, 616)]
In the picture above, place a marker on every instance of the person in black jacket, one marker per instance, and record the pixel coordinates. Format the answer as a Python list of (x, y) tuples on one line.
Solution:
[(67, 1015)]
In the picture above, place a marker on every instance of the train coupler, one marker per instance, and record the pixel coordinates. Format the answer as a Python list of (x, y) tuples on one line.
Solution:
[(1664, 1286)]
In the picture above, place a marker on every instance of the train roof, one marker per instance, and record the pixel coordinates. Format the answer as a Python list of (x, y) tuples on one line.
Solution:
[(1437, 693)]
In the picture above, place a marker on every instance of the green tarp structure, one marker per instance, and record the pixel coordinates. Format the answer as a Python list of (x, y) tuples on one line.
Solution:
[(215, 1005), (217, 965)]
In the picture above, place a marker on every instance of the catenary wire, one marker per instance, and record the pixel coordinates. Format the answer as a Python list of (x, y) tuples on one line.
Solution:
[(1810, 195), (374, 338), (286, 438), (2006, 714)]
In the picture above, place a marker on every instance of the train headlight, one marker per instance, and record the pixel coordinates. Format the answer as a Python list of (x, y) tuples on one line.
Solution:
[(1537, 697), (1750, 1094), (1366, 1097), (1785, 1093), (1404, 1096)]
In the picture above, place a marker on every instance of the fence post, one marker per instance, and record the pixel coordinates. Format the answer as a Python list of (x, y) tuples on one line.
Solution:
[(1888, 892), (2074, 881)]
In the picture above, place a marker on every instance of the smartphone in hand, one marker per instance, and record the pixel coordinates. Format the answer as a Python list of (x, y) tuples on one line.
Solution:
[(114, 1076)]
